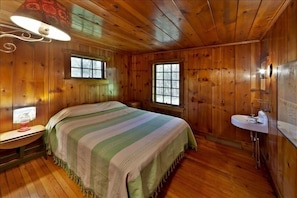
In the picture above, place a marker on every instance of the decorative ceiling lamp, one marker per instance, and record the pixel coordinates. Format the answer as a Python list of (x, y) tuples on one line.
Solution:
[(47, 19)]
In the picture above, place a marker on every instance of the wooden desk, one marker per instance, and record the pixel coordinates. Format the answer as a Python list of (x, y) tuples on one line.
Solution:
[(17, 146)]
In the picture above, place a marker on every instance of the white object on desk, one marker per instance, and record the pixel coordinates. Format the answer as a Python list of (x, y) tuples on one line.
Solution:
[(23, 116)]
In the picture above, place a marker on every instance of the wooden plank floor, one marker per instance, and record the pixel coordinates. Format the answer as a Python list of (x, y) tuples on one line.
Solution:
[(215, 170)]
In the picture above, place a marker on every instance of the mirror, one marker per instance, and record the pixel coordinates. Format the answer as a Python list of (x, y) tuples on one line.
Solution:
[(287, 100)]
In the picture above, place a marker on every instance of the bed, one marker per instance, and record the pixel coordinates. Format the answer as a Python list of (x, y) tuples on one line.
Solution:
[(112, 150)]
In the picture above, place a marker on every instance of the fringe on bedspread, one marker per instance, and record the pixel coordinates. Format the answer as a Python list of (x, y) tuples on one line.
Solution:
[(167, 174), (89, 193)]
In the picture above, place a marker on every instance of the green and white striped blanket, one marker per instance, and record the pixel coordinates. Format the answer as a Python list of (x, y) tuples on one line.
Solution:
[(116, 151)]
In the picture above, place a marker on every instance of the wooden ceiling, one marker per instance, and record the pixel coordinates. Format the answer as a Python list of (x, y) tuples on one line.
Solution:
[(139, 26)]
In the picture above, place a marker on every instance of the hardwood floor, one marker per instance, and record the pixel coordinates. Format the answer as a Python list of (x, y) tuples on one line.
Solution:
[(214, 170)]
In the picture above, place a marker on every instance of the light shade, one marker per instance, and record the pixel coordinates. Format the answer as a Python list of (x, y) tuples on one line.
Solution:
[(23, 116), (262, 73), (47, 18)]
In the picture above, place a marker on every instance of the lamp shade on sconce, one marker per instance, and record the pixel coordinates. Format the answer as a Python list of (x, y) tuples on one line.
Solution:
[(47, 18), (262, 73)]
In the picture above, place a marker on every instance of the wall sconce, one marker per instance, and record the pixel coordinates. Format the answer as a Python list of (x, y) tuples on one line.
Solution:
[(23, 116), (45, 19), (265, 75), (262, 73)]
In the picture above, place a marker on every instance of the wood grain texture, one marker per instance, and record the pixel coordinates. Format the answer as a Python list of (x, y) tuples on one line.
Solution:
[(217, 84), (34, 76), (279, 47), (214, 170), (136, 26)]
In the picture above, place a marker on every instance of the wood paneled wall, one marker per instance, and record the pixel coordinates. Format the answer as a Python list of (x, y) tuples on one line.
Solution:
[(279, 47), (34, 75), (218, 82)]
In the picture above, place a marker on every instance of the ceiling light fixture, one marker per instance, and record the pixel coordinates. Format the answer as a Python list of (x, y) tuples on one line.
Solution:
[(46, 19)]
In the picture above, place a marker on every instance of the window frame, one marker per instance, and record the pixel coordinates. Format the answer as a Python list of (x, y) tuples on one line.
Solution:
[(153, 88), (67, 62)]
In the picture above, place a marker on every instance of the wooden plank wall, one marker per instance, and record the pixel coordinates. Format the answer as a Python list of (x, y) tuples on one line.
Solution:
[(34, 75), (217, 84), (279, 47)]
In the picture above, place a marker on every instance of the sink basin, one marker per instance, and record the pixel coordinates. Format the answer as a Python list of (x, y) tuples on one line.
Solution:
[(257, 124)]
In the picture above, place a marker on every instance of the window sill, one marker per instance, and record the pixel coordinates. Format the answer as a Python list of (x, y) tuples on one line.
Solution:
[(88, 81), (167, 109)]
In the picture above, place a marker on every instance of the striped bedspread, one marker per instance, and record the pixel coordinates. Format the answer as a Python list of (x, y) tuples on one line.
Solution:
[(117, 151)]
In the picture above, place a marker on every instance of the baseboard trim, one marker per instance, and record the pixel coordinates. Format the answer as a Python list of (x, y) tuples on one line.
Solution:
[(224, 141), (270, 178)]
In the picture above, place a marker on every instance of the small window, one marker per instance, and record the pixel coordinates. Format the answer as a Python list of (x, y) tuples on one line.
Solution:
[(166, 83), (82, 67)]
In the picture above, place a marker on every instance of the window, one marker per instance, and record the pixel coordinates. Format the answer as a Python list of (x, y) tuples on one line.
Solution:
[(166, 83), (82, 67)]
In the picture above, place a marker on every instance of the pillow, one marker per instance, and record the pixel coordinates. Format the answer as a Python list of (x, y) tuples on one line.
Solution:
[(81, 110)]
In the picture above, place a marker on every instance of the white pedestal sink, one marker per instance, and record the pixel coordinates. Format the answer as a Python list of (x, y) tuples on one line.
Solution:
[(255, 125), (258, 124)]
